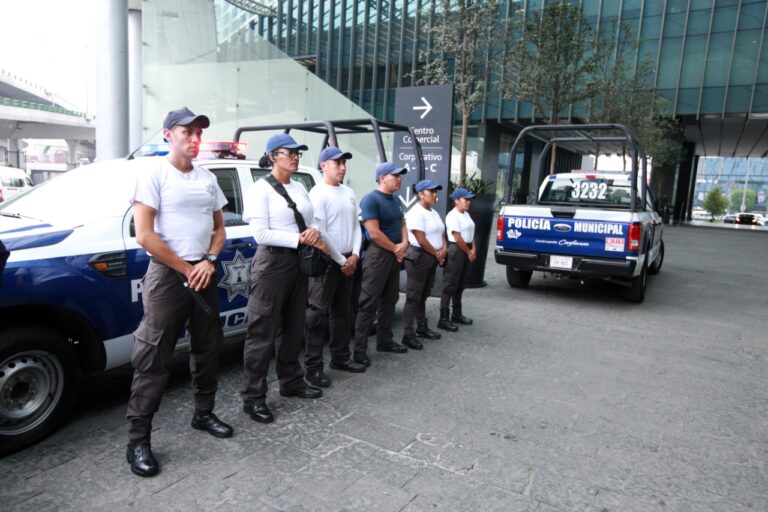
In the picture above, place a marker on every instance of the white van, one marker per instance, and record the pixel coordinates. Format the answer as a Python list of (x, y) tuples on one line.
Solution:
[(12, 182)]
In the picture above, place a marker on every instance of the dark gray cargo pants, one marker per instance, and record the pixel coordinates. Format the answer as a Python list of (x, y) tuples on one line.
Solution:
[(454, 278), (328, 310), (381, 285), (420, 267), (167, 307)]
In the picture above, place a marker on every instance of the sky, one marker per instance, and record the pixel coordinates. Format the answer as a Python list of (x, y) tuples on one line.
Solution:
[(50, 43)]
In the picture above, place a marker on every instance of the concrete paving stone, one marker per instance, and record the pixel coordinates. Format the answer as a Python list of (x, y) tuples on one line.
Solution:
[(41, 457), (296, 499), (506, 474), (374, 431), (428, 504), (417, 411), (372, 495), (69, 482), (195, 492), (301, 436), (559, 491), (44, 502), (608, 500), (324, 479), (488, 499), (15, 490), (441, 486), (339, 450), (393, 468)]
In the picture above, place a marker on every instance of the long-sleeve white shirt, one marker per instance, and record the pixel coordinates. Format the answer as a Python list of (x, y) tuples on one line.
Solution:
[(335, 210), (272, 221)]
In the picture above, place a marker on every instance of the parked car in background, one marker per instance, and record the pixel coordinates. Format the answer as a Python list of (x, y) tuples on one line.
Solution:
[(13, 181), (729, 218), (751, 219)]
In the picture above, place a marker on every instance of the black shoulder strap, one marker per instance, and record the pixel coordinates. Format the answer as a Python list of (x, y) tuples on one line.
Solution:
[(280, 189)]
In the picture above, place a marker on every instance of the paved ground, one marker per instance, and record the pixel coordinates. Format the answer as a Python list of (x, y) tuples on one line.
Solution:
[(561, 397)]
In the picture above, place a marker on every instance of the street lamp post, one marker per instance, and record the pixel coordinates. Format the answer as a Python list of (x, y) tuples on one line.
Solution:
[(744, 192)]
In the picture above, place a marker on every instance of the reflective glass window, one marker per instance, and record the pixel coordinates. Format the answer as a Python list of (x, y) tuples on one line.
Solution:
[(677, 6), (610, 9), (669, 64), (717, 59), (712, 100), (762, 70), (654, 7), (631, 8), (693, 61), (752, 15), (726, 3), (744, 57), (698, 22), (701, 4), (651, 27), (674, 25), (738, 99), (724, 19), (760, 103), (687, 101)]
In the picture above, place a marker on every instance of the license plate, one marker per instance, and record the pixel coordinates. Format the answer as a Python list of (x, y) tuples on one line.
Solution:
[(561, 262)]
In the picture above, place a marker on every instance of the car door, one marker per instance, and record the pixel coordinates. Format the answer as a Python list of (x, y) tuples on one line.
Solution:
[(234, 263)]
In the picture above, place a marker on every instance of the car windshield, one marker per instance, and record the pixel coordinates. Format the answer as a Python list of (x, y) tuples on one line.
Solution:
[(78, 196), (593, 191)]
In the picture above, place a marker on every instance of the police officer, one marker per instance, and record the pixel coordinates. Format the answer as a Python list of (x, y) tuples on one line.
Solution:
[(329, 306), (177, 210), (461, 252), (426, 251), (384, 221), (278, 289)]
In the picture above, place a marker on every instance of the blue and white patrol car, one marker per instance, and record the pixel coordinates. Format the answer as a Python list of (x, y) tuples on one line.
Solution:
[(71, 290), (583, 223)]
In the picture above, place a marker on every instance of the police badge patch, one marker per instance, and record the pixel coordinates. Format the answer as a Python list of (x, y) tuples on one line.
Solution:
[(236, 273)]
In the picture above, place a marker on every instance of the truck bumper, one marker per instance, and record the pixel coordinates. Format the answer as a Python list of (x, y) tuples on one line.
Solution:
[(582, 266)]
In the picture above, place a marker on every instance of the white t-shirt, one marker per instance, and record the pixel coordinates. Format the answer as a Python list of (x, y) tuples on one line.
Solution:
[(462, 223), (336, 216), (185, 203), (429, 222), (272, 221)]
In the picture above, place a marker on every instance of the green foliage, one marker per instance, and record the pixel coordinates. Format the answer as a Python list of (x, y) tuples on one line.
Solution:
[(749, 198), (465, 47), (473, 184), (715, 203)]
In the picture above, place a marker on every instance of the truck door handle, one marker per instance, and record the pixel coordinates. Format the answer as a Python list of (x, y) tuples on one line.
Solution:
[(240, 245)]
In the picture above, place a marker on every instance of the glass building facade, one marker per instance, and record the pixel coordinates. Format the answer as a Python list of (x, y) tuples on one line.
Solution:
[(711, 56)]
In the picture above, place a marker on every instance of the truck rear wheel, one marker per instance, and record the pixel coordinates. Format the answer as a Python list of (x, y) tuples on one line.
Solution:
[(636, 292), (656, 267), (518, 278), (39, 378)]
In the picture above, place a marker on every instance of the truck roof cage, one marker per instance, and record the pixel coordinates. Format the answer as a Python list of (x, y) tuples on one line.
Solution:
[(332, 129), (578, 138)]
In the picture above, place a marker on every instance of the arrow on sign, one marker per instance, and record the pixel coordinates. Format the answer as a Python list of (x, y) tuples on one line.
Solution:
[(426, 107), (408, 201)]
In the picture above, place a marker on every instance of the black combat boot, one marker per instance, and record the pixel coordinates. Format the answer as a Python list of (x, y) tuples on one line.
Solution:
[(446, 324), (423, 331), (458, 318)]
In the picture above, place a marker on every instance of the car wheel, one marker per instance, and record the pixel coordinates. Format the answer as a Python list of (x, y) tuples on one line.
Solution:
[(39, 378), (636, 291), (656, 267), (518, 278)]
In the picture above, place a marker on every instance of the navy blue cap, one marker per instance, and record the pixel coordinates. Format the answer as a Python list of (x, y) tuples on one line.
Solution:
[(427, 185), (333, 153), (283, 140), (385, 168), (183, 117), (462, 193)]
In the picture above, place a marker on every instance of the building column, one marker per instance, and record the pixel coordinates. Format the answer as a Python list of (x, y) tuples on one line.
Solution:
[(111, 79), (72, 145), (135, 83), (686, 183), (14, 156)]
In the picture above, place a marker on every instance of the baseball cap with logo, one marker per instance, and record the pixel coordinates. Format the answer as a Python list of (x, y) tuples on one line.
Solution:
[(183, 117)]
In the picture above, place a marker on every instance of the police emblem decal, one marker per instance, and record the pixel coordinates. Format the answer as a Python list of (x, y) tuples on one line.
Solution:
[(236, 276)]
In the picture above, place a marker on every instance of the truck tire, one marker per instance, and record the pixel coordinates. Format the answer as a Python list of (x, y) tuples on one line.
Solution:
[(518, 278), (39, 379), (636, 292), (656, 267)]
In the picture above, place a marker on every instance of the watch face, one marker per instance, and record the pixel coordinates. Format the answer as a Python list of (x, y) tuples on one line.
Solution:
[(211, 258)]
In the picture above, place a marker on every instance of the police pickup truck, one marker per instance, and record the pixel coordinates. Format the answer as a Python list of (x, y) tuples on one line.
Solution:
[(585, 223), (70, 296)]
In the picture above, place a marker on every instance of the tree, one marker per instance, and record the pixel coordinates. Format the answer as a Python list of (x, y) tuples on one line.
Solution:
[(465, 43), (715, 203), (747, 197), (625, 95), (552, 62)]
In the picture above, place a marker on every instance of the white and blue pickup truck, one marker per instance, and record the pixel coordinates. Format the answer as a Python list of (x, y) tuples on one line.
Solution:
[(585, 224)]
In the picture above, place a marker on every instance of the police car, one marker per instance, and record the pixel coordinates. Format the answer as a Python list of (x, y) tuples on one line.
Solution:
[(585, 223), (71, 291)]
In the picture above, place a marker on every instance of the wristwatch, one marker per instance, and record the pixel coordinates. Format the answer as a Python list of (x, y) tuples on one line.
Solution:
[(211, 257)]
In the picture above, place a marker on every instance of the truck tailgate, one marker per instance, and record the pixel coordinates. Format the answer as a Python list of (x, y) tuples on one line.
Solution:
[(539, 230)]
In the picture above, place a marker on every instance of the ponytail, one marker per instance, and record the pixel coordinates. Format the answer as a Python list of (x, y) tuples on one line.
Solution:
[(265, 162)]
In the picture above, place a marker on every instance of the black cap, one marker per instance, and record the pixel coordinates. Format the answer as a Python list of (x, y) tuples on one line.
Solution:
[(184, 117)]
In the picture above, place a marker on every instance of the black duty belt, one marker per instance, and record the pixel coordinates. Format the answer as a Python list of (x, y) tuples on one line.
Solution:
[(273, 249), (346, 254)]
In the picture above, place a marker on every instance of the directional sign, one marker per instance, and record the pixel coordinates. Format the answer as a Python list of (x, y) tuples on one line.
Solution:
[(429, 111)]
